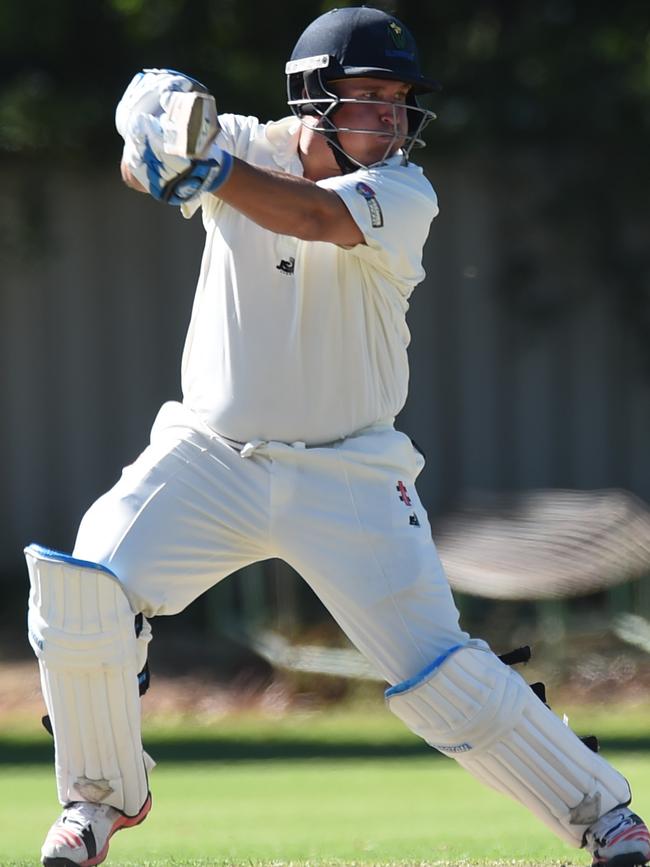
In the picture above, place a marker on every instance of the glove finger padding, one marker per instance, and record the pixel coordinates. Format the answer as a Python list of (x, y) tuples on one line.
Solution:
[(144, 94)]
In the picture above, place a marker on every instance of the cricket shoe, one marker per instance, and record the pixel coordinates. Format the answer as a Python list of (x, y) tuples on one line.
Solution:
[(81, 834), (620, 838)]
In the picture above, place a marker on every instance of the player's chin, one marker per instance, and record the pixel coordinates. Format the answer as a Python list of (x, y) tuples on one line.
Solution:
[(386, 147)]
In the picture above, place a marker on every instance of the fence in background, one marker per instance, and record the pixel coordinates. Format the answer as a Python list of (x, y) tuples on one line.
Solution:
[(529, 364)]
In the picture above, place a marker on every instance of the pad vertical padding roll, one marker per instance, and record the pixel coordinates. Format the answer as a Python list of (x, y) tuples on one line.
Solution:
[(471, 706), (81, 628)]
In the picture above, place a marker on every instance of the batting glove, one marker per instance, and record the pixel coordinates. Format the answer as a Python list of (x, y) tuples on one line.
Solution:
[(144, 95), (170, 178)]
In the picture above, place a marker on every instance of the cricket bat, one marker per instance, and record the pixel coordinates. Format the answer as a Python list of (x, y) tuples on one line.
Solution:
[(190, 124)]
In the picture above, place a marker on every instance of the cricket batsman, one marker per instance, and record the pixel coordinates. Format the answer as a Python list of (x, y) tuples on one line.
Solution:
[(284, 445)]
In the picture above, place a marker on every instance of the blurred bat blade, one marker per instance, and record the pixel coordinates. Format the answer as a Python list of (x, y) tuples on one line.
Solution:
[(544, 544), (634, 630), (280, 653)]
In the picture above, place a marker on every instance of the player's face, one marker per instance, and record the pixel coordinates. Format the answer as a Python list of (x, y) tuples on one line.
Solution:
[(380, 109)]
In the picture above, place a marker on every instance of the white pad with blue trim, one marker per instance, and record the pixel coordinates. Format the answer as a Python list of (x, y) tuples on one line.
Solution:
[(81, 628), (471, 706)]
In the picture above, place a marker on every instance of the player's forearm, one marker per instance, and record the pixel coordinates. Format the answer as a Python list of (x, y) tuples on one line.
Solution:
[(289, 205)]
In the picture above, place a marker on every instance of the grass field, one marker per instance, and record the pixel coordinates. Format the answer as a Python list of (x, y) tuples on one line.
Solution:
[(339, 789)]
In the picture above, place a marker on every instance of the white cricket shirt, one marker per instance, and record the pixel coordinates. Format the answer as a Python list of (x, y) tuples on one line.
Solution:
[(296, 340)]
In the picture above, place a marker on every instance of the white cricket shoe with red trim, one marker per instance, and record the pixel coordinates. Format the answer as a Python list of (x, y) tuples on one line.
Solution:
[(81, 834), (620, 838)]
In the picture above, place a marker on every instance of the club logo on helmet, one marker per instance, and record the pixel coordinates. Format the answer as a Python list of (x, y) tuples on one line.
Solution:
[(397, 34)]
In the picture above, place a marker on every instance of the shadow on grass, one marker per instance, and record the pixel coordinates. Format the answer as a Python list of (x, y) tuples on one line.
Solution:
[(211, 747)]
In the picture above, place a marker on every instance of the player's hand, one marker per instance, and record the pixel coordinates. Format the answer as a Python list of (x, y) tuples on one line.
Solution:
[(167, 177)]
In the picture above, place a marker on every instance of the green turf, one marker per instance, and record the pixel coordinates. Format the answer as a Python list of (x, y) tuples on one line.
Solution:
[(325, 790), (369, 731)]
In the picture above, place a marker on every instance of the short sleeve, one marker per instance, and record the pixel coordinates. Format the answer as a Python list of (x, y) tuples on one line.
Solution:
[(394, 206)]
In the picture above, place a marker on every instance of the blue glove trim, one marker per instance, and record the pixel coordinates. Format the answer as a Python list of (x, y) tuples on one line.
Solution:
[(202, 176), (154, 167)]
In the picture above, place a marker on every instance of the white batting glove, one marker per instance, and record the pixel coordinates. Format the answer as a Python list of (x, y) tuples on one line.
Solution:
[(167, 177), (168, 120), (144, 93)]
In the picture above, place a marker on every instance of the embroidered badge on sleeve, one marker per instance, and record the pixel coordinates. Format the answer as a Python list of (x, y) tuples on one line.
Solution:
[(376, 216)]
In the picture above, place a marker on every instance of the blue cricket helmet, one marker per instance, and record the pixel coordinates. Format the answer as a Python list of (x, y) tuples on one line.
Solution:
[(359, 41)]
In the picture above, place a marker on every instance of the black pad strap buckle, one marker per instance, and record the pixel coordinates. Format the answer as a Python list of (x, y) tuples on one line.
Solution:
[(514, 657)]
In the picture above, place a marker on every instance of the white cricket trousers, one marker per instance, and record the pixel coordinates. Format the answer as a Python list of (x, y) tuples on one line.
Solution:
[(346, 516)]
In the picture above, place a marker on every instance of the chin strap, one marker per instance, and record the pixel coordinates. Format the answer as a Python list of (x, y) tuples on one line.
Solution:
[(346, 165), (331, 137), (342, 160)]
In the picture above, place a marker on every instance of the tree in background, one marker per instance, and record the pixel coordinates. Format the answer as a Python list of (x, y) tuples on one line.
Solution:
[(534, 70)]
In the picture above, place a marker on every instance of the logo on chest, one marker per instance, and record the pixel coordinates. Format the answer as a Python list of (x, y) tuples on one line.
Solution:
[(287, 266)]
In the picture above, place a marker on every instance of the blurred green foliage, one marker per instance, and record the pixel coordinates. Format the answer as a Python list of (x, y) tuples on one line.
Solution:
[(513, 70)]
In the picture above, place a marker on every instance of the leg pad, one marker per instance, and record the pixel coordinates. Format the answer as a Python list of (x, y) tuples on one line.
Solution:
[(81, 628), (471, 706)]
